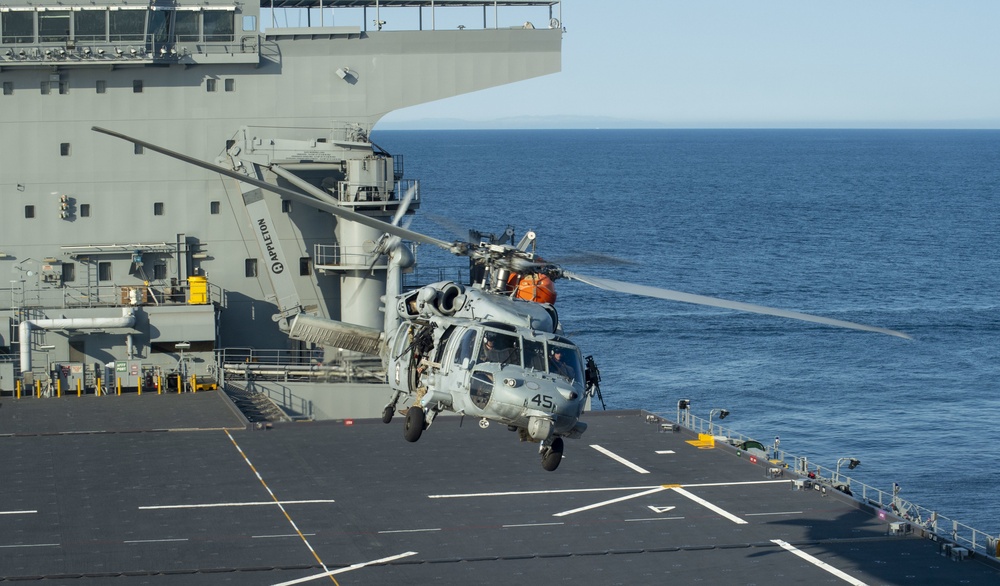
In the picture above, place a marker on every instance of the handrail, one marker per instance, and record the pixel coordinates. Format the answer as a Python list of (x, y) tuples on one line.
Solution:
[(931, 521)]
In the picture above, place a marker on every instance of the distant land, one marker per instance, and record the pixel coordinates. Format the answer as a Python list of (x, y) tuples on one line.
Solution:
[(601, 122)]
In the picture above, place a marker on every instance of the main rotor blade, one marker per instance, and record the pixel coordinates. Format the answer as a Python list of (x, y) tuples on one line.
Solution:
[(656, 292), (338, 211)]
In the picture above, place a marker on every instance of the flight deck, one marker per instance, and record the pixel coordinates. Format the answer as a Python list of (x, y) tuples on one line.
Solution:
[(179, 489)]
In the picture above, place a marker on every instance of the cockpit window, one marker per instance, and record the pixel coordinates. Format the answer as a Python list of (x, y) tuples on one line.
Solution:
[(534, 355), (466, 345), (500, 348), (565, 361)]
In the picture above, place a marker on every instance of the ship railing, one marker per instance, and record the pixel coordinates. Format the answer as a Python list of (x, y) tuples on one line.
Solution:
[(388, 192), (116, 295), (133, 49), (413, 15), (887, 503), (245, 364), (422, 275)]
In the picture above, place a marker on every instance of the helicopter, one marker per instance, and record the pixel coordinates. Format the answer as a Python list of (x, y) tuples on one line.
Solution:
[(494, 349)]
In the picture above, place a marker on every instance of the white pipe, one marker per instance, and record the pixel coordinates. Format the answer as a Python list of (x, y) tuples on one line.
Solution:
[(127, 320)]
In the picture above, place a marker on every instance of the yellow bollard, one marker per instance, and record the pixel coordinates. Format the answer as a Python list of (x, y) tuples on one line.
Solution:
[(118, 384), (140, 387), (97, 393), (159, 385), (38, 389), (180, 387), (18, 385), (194, 383), (58, 387), (79, 388)]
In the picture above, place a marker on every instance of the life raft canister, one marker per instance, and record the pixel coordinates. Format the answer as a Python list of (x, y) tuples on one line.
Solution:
[(537, 288)]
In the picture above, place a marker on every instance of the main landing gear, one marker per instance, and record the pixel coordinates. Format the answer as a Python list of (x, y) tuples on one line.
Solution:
[(414, 424), (552, 454)]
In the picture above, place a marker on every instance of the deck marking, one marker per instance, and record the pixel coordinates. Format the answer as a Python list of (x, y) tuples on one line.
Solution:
[(819, 563), (602, 489), (347, 569), (775, 513), (660, 510), (17, 512), (665, 452), (412, 530), (709, 505), (611, 502), (653, 519), (154, 540), (248, 504), (282, 507), (619, 459), (531, 525), (29, 545), (277, 536)]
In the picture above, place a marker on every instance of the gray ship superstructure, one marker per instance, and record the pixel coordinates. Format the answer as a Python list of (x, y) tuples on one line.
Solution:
[(126, 269)]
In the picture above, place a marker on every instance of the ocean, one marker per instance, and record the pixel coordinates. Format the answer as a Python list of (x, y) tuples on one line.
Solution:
[(894, 228)]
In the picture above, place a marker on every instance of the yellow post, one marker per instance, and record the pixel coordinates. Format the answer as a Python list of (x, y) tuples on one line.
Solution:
[(38, 389), (140, 386), (118, 384), (97, 393), (194, 383), (159, 385), (59, 387), (18, 385), (180, 387), (79, 388)]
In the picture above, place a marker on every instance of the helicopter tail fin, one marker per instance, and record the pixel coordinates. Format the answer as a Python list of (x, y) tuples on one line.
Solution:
[(328, 332)]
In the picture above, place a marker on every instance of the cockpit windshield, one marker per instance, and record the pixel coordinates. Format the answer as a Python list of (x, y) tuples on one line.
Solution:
[(565, 361), (500, 348)]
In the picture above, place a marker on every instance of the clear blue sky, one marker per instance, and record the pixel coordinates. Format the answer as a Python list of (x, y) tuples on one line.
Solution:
[(765, 63)]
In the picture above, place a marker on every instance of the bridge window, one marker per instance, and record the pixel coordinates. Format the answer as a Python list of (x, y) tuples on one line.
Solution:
[(127, 25), (18, 27), (159, 26), (53, 26), (186, 25), (90, 25), (218, 25)]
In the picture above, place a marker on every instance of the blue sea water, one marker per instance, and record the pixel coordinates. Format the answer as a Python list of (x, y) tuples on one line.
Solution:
[(892, 228)]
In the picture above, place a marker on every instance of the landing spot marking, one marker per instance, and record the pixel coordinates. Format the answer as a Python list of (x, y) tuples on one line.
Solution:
[(710, 506), (775, 513), (17, 512), (250, 504), (660, 510), (819, 563), (619, 459), (665, 452), (347, 569), (611, 502)]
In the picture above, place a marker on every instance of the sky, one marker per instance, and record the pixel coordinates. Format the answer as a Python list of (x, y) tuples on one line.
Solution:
[(747, 64)]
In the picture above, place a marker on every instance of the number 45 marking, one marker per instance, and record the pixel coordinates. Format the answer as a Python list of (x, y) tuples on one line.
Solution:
[(543, 401)]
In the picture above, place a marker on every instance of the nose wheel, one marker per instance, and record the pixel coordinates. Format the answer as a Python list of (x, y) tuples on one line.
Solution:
[(484, 423), (552, 454)]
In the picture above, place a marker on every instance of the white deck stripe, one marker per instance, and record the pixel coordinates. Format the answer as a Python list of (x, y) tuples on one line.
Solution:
[(17, 512), (709, 505), (619, 459), (250, 504), (154, 540), (775, 513), (819, 563), (411, 530), (532, 525), (347, 569), (611, 502), (29, 545)]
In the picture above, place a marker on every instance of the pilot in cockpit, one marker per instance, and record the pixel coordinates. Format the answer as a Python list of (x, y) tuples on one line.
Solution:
[(557, 365)]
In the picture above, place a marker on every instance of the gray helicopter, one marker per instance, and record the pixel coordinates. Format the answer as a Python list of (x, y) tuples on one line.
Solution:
[(491, 350)]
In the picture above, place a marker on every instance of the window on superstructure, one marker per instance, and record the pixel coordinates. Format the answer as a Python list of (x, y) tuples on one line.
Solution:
[(218, 25), (85, 210), (102, 86), (186, 26), (68, 272), (138, 149), (305, 266), (158, 208), (137, 86), (286, 206), (64, 149), (127, 25), (44, 88), (29, 211), (64, 87), (214, 207), (53, 25), (230, 84), (251, 267), (104, 271), (249, 23), (8, 88), (18, 27), (210, 84), (159, 272), (90, 25), (159, 26)]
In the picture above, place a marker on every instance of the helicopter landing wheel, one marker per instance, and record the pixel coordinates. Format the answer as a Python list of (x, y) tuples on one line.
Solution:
[(552, 455), (484, 423), (414, 424), (387, 413)]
